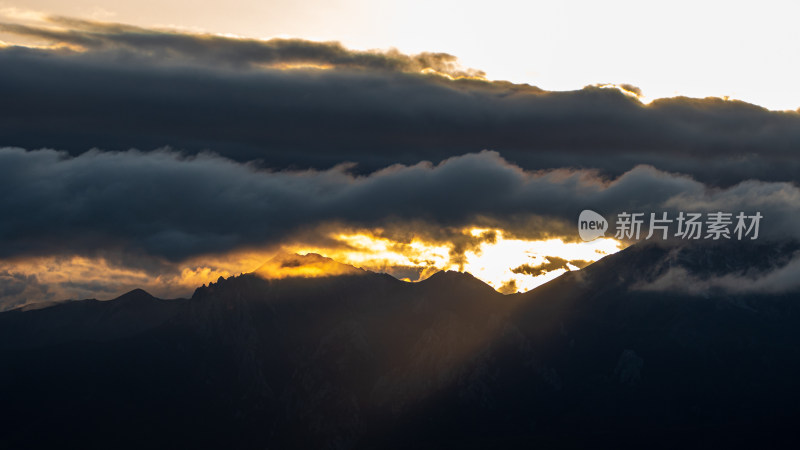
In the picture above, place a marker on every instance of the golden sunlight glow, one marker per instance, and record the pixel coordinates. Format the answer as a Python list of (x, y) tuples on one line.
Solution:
[(373, 251), (507, 264), (299, 66), (56, 46), (430, 71), (498, 263), (78, 277), (624, 89), (22, 14), (285, 265)]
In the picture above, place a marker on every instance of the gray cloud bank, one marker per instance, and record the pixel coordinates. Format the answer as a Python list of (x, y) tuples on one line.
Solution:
[(145, 89), (173, 206)]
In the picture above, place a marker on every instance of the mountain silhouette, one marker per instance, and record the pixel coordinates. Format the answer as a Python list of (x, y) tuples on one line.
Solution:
[(604, 357)]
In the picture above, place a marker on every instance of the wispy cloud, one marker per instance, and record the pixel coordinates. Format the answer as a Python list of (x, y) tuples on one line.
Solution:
[(182, 47)]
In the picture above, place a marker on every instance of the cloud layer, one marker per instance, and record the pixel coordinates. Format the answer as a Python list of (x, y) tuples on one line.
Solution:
[(140, 88), (172, 206), (247, 144)]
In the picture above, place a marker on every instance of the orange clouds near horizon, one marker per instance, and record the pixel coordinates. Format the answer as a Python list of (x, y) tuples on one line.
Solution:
[(507, 264), (493, 258)]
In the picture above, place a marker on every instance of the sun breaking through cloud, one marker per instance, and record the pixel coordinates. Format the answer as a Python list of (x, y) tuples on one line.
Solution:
[(493, 259)]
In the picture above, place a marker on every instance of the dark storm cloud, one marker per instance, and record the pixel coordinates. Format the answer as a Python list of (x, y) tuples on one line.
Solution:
[(141, 88), (550, 264), (170, 206)]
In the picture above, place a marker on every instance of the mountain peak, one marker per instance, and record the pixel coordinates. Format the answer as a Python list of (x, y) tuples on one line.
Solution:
[(135, 295), (310, 265), (453, 277), (449, 275)]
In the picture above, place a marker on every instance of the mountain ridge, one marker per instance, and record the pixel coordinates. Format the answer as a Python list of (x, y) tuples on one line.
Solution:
[(369, 361)]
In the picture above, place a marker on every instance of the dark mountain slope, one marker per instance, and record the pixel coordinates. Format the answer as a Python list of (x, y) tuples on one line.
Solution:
[(366, 361), (588, 361)]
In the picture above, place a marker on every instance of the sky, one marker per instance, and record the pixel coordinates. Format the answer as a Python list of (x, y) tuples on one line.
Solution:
[(164, 146), (742, 50)]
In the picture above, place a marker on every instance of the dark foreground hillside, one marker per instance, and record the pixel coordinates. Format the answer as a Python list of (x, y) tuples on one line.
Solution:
[(606, 357)]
